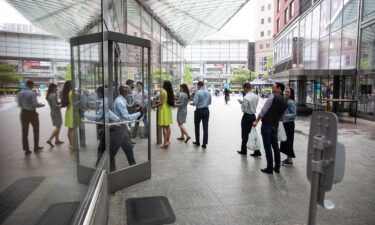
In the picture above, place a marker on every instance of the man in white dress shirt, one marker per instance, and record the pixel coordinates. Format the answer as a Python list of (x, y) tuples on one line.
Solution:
[(249, 106)]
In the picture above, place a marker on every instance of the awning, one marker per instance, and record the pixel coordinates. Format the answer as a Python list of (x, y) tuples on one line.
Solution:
[(187, 20)]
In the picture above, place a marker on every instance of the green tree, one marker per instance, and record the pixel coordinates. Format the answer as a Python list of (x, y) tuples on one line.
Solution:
[(240, 76), (68, 72), (7, 76), (269, 66), (188, 75), (160, 74)]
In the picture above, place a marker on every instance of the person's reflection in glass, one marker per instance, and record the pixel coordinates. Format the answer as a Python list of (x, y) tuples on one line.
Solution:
[(119, 136), (140, 99)]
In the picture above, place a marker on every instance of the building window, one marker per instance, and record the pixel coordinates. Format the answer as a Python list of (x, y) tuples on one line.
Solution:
[(263, 63), (286, 16), (262, 34), (278, 25), (348, 43), (262, 21), (268, 45), (348, 60), (269, 33), (269, 6), (260, 46), (291, 12), (262, 8), (269, 20), (278, 5)]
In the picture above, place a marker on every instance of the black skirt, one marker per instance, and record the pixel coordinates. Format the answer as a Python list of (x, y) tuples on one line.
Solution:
[(286, 147)]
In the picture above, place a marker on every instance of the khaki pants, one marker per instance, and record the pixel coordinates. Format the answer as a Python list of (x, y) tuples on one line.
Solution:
[(28, 117)]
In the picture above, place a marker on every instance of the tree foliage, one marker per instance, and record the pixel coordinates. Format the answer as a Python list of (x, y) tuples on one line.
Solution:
[(160, 74), (269, 66), (188, 75), (7, 75), (240, 76)]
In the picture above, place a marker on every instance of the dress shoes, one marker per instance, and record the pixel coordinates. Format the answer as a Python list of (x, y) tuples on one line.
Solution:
[(38, 149), (276, 169), (256, 153), (197, 143), (242, 153), (266, 170), (204, 146), (27, 152)]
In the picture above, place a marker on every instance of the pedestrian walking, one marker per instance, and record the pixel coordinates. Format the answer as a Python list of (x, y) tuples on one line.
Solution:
[(165, 112), (55, 114), (226, 95), (249, 106), (67, 101), (28, 102), (272, 112), (202, 100), (119, 135), (182, 112), (290, 115)]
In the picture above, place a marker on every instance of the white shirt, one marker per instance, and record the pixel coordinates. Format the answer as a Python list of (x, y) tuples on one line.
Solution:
[(250, 103)]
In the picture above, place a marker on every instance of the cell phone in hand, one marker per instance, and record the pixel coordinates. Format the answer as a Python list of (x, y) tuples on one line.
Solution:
[(240, 101)]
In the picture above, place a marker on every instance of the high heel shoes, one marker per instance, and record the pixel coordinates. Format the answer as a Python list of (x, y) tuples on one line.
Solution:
[(165, 146), (50, 143), (187, 139)]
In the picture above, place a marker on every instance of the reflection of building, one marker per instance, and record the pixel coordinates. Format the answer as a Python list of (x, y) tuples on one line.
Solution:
[(317, 53), (263, 34), (215, 60), (35, 54)]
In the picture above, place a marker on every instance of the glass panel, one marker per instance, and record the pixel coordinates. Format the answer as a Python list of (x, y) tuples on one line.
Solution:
[(308, 27), (323, 53), (324, 18), (349, 46), (133, 75), (367, 60), (335, 50), (336, 14), (146, 24), (350, 11), (134, 19), (366, 97), (368, 9)]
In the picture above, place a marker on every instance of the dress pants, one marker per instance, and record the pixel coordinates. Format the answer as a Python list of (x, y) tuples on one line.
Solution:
[(201, 114), (246, 125), (27, 117), (119, 137), (269, 135), (287, 146)]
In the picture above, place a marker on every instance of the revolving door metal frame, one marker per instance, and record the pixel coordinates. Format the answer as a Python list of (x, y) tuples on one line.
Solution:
[(127, 176)]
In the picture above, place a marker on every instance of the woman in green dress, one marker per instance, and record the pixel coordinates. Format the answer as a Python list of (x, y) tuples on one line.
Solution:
[(67, 101), (165, 112)]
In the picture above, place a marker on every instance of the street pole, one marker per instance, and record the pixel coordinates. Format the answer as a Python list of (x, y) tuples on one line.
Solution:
[(314, 191)]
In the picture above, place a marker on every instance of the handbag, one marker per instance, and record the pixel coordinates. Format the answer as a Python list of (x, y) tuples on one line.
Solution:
[(281, 135), (253, 142)]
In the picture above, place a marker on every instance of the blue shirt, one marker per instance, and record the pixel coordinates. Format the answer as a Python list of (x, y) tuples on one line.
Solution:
[(27, 100), (291, 112), (202, 99), (99, 117), (120, 109)]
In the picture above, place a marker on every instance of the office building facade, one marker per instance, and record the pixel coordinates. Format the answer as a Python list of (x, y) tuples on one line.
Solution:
[(35, 54), (263, 35), (327, 53), (214, 60)]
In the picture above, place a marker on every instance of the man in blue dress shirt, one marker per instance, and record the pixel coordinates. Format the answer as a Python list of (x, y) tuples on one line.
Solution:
[(28, 102), (202, 100), (119, 136)]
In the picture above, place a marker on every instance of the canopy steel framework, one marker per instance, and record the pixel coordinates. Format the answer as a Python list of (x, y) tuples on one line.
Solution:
[(186, 20)]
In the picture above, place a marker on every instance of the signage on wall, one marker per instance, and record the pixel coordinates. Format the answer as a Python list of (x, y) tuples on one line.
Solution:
[(38, 63)]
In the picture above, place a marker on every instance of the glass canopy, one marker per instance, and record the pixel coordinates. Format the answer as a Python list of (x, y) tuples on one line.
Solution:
[(187, 20)]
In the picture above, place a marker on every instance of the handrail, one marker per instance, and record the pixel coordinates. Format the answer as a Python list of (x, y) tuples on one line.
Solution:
[(111, 124), (95, 198)]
